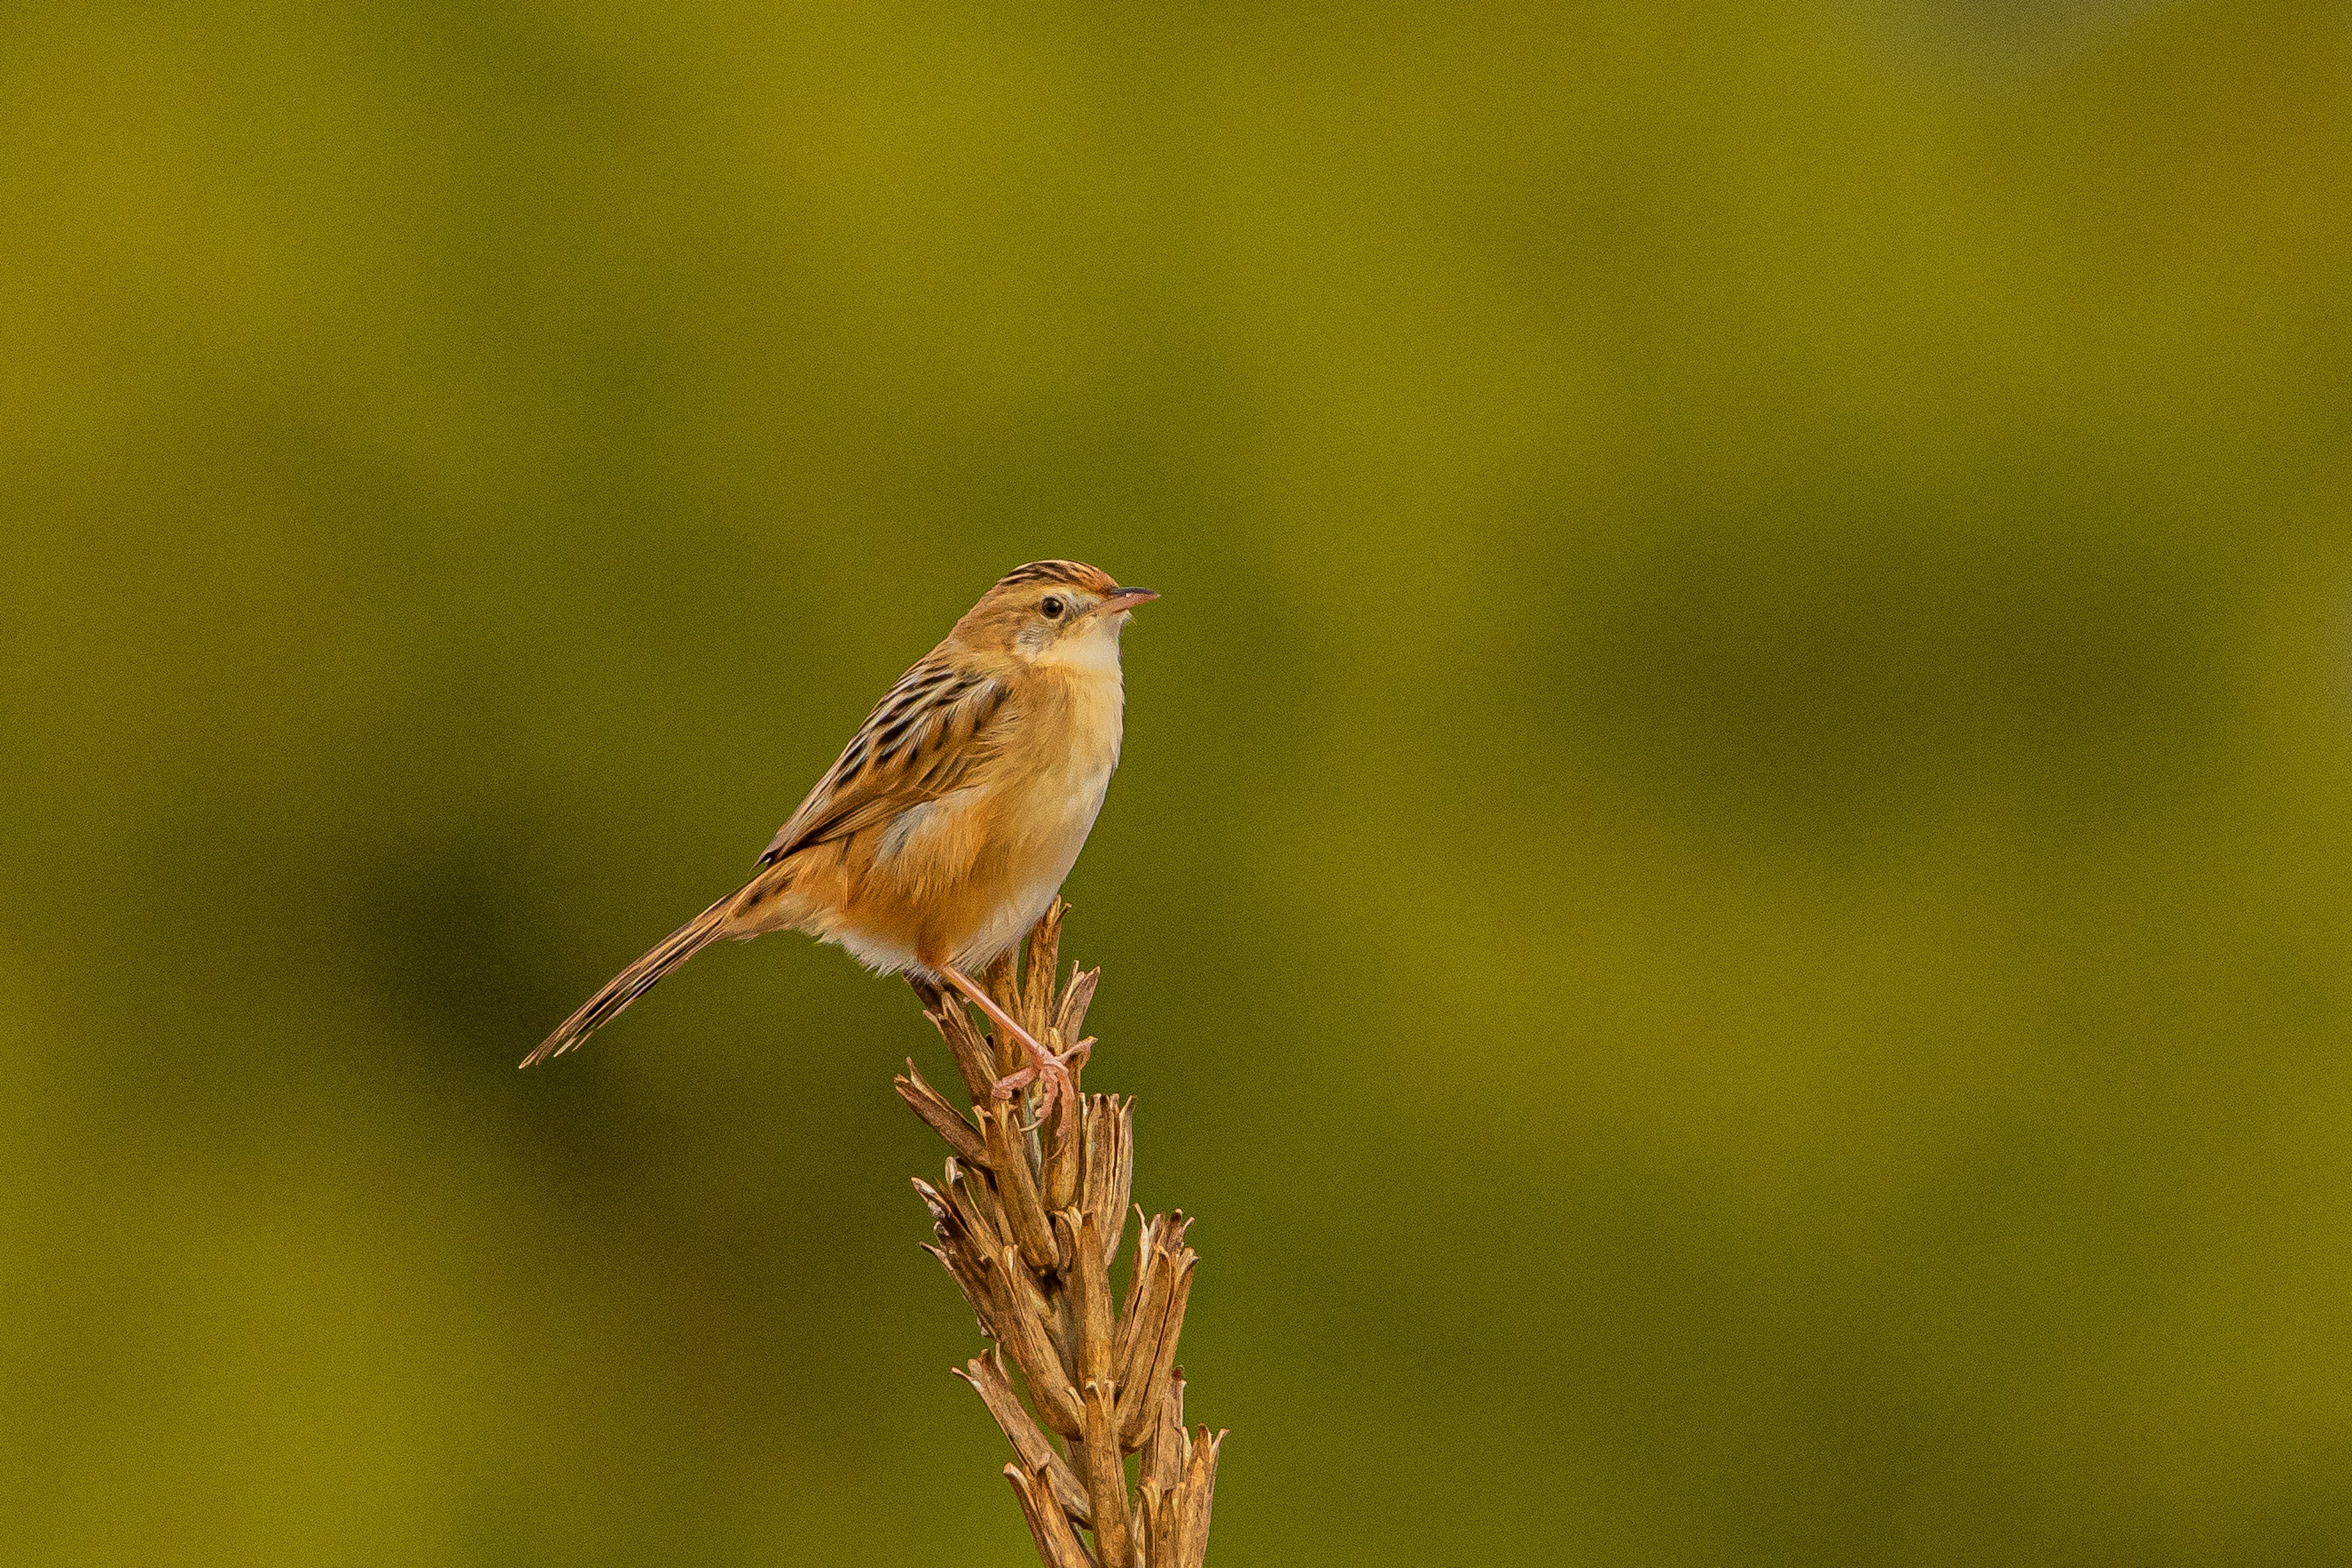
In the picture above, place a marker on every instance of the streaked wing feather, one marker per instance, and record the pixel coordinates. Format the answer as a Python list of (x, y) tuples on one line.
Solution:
[(922, 739)]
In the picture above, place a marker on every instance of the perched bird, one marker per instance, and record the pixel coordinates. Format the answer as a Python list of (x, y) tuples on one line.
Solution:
[(945, 828)]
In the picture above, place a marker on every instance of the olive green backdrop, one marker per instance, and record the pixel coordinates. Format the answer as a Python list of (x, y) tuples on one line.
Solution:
[(1732, 889)]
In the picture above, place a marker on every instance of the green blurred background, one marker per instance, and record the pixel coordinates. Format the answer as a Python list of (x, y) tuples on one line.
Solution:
[(1732, 892)]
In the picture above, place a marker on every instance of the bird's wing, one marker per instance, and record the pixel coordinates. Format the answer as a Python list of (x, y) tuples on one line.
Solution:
[(937, 727)]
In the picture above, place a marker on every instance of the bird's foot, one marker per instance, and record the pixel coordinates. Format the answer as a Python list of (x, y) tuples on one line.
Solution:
[(1056, 1075), (1053, 1075)]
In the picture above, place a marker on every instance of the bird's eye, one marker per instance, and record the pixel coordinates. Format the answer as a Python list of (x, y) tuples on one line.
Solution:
[(1052, 605)]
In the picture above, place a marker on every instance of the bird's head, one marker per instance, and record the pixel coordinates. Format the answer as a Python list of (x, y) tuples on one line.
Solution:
[(1053, 612)]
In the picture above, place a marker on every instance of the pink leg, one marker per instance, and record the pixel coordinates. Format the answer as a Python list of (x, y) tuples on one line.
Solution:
[(1051, 1072)]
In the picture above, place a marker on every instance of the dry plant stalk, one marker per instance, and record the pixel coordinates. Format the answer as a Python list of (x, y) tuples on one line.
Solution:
[(1029, 1221)]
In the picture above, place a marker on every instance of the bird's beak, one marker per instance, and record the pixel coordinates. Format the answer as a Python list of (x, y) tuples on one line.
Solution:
[(1119, 600)]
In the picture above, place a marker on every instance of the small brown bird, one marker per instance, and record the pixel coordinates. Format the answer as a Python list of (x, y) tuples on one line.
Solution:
[(945, 828)]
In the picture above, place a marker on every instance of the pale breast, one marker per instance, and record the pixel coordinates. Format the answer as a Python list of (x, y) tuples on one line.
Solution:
[(1042, 801), (1057, 802)]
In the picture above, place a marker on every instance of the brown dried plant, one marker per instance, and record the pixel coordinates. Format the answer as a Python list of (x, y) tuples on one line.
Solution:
[(1029, 1221)]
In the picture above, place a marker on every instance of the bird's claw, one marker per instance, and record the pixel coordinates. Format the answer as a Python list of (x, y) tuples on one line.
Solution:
[(1054, 1077)]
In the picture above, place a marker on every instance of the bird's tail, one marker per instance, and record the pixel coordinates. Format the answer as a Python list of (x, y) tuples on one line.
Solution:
[(637, 979)]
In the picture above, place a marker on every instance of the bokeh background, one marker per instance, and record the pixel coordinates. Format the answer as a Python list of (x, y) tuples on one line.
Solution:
[(1732, 892)]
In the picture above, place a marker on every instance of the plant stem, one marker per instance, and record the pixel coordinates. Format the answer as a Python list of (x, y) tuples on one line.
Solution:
[(1029, 1221)]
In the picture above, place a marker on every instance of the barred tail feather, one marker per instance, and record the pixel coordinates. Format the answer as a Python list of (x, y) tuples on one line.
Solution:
[(636, 980)]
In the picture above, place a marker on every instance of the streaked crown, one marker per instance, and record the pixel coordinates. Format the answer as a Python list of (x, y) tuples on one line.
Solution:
[(1069, 574)]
